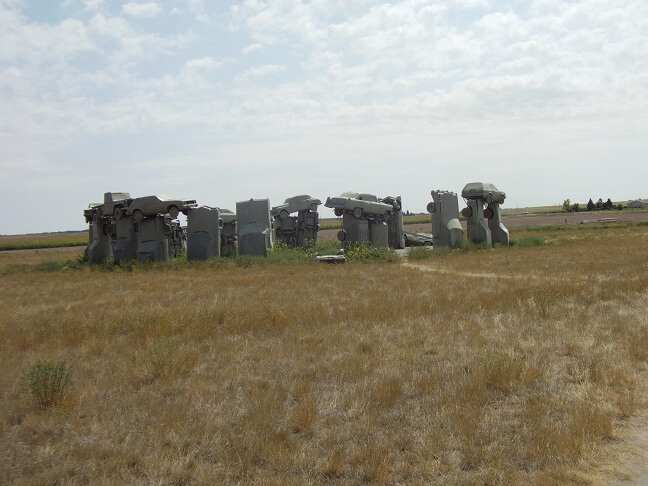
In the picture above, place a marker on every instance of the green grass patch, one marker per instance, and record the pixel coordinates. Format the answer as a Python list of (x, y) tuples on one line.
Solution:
[(47, 383), (527, 241), (365, 254), (38, 245)]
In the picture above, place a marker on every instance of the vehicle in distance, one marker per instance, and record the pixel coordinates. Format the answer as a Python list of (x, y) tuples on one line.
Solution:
[(358, 204), (295, 204), (159, 204)]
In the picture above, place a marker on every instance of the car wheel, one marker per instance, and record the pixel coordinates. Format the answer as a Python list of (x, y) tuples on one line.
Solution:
[(313, 207), (488, 213), (338, 212), (173, 212), (138, 215), (118, 213), (283, 214), (431, 207), (341, 235), (427, 243), (466, 212), (357, 212)]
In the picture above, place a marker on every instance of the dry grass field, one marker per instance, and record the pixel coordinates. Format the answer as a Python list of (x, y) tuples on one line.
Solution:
[(521, 365)]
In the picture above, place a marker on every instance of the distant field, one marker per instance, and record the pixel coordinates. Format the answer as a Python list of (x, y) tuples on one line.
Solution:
[(55, 240), (520, 365)]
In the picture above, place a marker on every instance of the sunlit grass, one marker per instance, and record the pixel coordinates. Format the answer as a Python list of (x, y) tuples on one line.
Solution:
[(490, 366)]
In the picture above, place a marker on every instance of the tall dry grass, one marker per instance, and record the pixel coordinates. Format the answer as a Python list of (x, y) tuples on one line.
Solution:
[(511, 366)]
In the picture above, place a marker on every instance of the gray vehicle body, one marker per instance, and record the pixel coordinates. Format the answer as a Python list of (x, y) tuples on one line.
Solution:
[(295, 204), (483, 190), (112, 201), (228, 233), (159, 204), (418, 239), (360, 204)]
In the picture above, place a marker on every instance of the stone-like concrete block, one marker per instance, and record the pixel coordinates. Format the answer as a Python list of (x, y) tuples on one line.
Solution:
[(204, 233), (126, 246), (254, 226), (152, 240), (100, 248), (446, 228)]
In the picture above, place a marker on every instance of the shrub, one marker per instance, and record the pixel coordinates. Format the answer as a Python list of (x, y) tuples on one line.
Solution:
[(527, 241), (419, 253), (47, 382), (363, 253)]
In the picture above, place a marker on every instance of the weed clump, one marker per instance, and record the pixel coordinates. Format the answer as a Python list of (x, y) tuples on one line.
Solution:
[(528, 241), (419, 253), (47, 383), (366, 254)]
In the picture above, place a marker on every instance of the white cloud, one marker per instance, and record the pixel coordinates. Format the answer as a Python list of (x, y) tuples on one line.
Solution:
[(251, 48), (135, 9), (92, 5), (264, 70)]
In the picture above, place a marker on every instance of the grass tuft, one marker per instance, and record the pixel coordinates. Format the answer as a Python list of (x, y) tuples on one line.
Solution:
[(47, 382)]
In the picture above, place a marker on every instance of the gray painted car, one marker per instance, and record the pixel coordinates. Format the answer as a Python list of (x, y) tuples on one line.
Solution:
[(358, 204), (159, 204), (418, 239), (483, 190), (295, 204), (114, 202)]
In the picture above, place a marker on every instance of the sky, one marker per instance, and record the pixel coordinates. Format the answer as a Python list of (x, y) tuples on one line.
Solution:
[(225, 101)]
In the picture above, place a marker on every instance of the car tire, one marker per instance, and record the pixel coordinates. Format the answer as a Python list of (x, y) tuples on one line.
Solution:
[(118, 213), (357, 212), (338, 212), (138, 215), (431, 207), (341, 235), (173, 212), (283, 214), (488, 213), (466, 212)]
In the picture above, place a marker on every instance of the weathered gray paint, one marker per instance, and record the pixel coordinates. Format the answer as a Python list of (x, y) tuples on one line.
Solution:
[(395, 222), (308, 227), (228, 233), (355, 231), (126, 246), (499, 232), (100, 249), (478, 231), (254, 227), (359, 204), (446, 228), (478, 194), (204, 233), (152, 241), (176, 235), (300, 230), (378, 233)]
